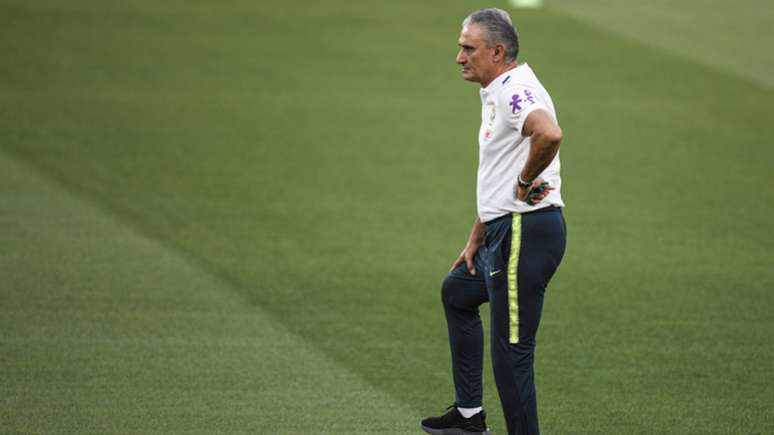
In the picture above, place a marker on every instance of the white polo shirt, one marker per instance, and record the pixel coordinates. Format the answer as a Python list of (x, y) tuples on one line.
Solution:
[(503, 151)]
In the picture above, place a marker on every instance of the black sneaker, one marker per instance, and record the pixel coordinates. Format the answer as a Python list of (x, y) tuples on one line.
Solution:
[(453, 423)]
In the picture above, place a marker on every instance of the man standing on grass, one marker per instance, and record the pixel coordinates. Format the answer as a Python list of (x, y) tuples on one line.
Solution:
[(518, 238)]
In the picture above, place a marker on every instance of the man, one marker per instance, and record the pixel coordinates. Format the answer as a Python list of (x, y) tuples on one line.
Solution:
[(518, 238)]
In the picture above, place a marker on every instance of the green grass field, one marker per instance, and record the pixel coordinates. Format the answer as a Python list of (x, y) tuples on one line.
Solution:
[(234, 217)]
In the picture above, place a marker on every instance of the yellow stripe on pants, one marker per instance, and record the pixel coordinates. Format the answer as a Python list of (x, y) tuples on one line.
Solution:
[(513, 285)]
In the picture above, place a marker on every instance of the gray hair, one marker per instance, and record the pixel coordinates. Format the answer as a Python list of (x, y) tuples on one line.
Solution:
[(499, 29)]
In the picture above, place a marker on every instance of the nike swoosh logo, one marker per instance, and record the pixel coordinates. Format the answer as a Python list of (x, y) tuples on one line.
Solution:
[(495, 272)]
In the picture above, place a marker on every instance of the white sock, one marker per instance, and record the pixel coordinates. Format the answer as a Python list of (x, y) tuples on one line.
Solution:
[(469, 412)]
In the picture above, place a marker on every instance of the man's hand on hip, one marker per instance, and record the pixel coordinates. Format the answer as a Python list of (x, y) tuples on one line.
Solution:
[(535, 193)]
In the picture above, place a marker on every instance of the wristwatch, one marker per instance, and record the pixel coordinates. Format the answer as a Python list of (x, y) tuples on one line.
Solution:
[(523, 183)]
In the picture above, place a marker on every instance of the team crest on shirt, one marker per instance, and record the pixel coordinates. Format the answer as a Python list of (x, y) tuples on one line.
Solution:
[(490, 106), (489, 116), (492, 114)]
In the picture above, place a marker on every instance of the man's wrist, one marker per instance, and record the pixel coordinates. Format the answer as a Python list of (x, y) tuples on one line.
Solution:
[(524, 183)]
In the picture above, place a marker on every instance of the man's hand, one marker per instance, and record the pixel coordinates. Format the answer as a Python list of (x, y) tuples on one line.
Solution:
[(467, 255), (535, 193)]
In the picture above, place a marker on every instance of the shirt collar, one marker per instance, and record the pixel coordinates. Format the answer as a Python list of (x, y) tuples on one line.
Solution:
[(503, 79)]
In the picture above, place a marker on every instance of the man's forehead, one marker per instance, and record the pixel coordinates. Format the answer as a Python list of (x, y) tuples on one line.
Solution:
[(470, 34)]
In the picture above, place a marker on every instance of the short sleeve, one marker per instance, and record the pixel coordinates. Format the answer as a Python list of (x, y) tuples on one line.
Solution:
[(519, 103)]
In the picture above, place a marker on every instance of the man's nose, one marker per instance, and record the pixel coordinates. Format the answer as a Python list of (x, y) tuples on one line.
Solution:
[(460, 58)]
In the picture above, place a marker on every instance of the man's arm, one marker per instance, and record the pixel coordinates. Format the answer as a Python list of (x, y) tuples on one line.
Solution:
[(545, 137), (477, 234)]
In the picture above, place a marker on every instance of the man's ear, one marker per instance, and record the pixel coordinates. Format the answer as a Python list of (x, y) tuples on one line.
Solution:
[(499, 52)]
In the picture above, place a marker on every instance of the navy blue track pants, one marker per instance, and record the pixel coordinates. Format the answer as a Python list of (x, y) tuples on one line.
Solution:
[(519, 256)]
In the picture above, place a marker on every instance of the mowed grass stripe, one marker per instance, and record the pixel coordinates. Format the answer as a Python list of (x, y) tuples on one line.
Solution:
[(103, 330), (724, 35)]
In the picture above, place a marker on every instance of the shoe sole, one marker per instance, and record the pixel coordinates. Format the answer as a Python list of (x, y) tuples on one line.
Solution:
[(453, 431)]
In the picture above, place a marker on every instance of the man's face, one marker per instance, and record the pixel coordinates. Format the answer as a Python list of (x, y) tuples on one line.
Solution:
[(474, 55)]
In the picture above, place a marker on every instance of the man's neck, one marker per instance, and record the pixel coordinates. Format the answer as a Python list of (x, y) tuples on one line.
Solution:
[(499, 71)]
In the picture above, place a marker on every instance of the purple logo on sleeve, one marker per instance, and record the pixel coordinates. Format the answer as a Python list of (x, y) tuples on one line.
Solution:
[(515, 100), (529, 96)]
